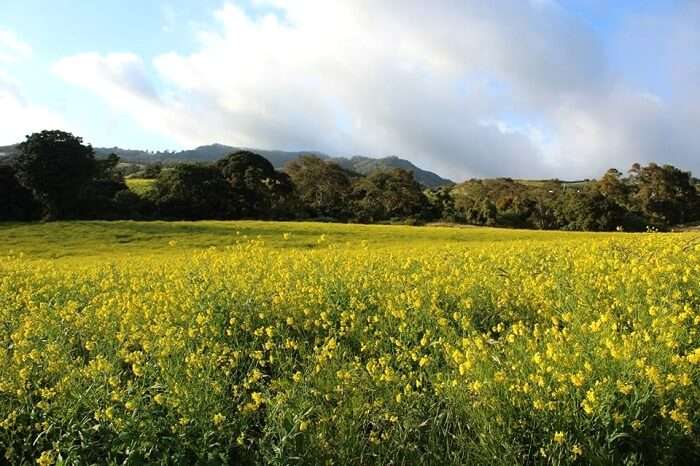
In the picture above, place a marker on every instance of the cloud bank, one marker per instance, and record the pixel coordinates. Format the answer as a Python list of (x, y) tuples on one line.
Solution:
[(12, 49), (18, 116), (505, 88)]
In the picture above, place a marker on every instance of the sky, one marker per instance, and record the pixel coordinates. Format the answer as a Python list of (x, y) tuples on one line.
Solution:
[(466, 88)]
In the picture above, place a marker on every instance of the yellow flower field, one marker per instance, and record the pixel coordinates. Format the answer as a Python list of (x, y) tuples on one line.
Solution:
[(328, 344)]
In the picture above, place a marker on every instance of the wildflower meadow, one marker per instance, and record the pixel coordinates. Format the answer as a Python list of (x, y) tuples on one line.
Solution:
[(275, 343)]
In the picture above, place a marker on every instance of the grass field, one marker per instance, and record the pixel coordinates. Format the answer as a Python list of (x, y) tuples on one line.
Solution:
[(81, 240), (140, 186), (307, 343)]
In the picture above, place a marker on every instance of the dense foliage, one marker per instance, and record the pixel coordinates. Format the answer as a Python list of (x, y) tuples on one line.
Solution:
[(456, 346), (16, 201), (651, 196), (64, 178)]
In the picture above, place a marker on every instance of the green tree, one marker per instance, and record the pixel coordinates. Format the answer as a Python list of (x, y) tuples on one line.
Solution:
[(55, 166), (588, 209), (16, 201), (665, 194), (542, 205), (441, 204), (107, 168), (323, 187), (152, 170), (192, 192), (258, 190), (500, 201), (386, 195), (613, 187), (98, 198)]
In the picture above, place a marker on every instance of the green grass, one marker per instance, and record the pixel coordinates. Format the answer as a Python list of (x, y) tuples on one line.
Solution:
[(140, 186), (81, 239)]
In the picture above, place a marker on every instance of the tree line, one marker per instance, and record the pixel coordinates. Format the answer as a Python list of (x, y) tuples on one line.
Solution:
[(54, 175)]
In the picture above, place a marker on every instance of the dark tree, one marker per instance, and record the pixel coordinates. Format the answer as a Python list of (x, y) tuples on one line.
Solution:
[(323, 187), (589, 210), (386, 195), (152, 171), (614, 187), (128, 204), (284, 203), (16, 201), (107, 168), (258, 190), (55, 166), (441, 205), (475, 200), (665, 194), (192, 192), (97, 199)]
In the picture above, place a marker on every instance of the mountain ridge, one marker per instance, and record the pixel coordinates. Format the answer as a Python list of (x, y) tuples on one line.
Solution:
[(278, 158)]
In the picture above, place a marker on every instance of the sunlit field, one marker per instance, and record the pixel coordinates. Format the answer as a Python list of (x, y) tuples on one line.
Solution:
[(308, 343), (140, 186)]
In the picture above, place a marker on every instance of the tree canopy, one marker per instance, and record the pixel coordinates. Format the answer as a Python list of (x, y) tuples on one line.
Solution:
[(56, 175), (322, 187), (258, 190), (16, 201), (385, 195), (192, 192), (55, 166)]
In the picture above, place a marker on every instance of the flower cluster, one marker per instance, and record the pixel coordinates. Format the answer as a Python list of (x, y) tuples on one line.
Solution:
[(551, 352)]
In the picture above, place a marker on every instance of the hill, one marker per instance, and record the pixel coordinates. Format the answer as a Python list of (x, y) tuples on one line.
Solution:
[(278, 158), (208, 153), (367, 165), (7, 150)]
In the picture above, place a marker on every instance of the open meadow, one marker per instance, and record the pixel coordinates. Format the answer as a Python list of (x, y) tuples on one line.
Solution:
[(310, 343)]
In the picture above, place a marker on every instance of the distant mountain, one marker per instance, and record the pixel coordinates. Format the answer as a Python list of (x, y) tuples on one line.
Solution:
[(208, 153), (367, 165), (278, 158), (7, 150), (212, 152)]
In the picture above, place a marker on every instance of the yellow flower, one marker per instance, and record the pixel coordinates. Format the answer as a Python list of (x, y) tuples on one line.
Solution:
[(694, 357), (218, 419), (559, 437), (624, 388), (257, 398), (576, 450), (46, 458), (577, 379)]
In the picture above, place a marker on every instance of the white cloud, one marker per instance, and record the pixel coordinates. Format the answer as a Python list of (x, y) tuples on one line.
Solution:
[(419, 81), (20, 117), (12, 49)]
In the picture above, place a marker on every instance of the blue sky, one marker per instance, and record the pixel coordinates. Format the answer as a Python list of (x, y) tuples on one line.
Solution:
[(68, 27), (510, 87)]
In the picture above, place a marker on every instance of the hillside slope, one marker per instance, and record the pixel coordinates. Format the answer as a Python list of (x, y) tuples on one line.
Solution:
[(278, 158), (209, 153)]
